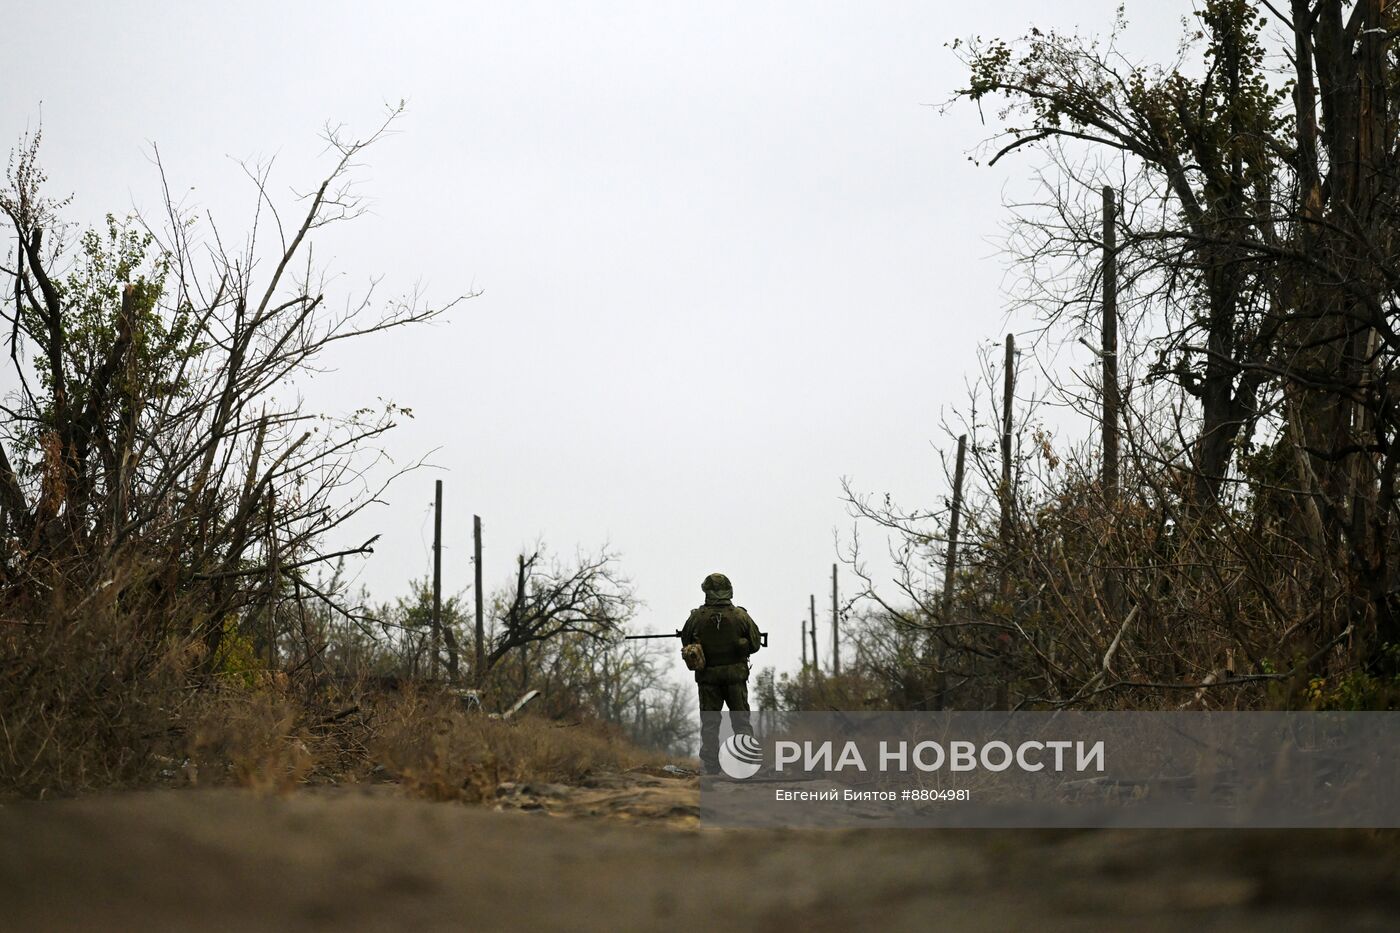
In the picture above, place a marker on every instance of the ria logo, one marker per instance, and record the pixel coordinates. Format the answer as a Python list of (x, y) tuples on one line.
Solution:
[(740, 756)]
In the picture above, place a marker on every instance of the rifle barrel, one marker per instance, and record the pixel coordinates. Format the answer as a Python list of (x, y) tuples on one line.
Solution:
[(764, 636)]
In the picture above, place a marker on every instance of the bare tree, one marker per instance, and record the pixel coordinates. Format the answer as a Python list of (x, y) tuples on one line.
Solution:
[(158, 470), (588, 597), (1258, 232)]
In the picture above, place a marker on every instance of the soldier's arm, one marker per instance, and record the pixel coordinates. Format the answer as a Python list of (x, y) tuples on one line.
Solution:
[(688, 630), (752, 634)]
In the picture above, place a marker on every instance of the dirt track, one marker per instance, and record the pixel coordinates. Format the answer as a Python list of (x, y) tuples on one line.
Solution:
[(368, 859)]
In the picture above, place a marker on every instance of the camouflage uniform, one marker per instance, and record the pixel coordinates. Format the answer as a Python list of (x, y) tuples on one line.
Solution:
[(729, 636)]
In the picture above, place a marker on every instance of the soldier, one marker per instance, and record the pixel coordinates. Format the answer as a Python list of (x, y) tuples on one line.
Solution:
[(728, 636)]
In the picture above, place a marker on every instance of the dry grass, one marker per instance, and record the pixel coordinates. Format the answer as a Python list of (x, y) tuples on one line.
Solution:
[(83, 705), (91, 708), (269, 741), (256, 738), (442, 752)]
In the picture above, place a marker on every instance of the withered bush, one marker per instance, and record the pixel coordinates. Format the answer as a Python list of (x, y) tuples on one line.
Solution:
[(163, 497), (1221, 234)]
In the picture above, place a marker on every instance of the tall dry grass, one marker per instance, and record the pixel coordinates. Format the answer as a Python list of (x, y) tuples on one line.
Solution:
[(443, 752), (83, 704), (88, 704)]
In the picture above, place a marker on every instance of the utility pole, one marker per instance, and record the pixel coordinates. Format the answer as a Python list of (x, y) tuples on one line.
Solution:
[(835, 628), (1008, 396), (802, 637), (1110, 347), (1112, 584), (437, 576), (816, 662), (515, 619), (950, 566), (480, 624), (274, 582)]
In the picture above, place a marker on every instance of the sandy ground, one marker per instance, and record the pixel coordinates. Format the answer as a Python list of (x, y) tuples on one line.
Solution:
[(626, 854)]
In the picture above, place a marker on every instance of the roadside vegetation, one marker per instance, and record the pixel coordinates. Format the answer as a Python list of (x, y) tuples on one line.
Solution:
[(171, 607), (1226, 536)]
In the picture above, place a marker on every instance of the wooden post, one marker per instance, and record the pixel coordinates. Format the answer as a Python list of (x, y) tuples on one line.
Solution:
[(835, 628), (816, 661), (274, 582), (515, 619), (950, 566), (1110, 347), (1008, 397), (802, 637), (1112, 584), (437, 577), (1004, 494), (477, 667)]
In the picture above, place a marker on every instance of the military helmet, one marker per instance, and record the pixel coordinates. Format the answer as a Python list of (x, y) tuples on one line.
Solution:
[(717, 585)]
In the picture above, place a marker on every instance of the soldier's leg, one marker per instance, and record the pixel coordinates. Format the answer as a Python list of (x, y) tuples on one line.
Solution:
[(711, 702), (737, 696)]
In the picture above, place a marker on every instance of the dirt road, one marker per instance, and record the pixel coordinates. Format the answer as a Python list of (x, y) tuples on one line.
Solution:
[(368, 859)]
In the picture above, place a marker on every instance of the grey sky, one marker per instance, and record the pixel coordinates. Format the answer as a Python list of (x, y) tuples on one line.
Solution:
[(727, 255)]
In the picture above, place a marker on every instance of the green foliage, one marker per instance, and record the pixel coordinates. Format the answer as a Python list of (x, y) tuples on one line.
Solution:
[(1360, 690), (150, 349), (416, 611), (237, 657), (1071, 85)]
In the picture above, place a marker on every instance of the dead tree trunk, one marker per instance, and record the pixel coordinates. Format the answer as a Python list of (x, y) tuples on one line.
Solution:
[(950, 566), (478, 668), (835, 628)]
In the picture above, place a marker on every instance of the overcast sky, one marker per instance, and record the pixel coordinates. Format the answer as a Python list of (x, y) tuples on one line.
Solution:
[(728, 253)]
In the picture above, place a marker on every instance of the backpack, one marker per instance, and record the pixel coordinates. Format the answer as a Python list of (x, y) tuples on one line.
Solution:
[(722, 634)]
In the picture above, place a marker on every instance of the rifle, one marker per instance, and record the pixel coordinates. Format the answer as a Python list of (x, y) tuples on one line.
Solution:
[(763, 637)]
